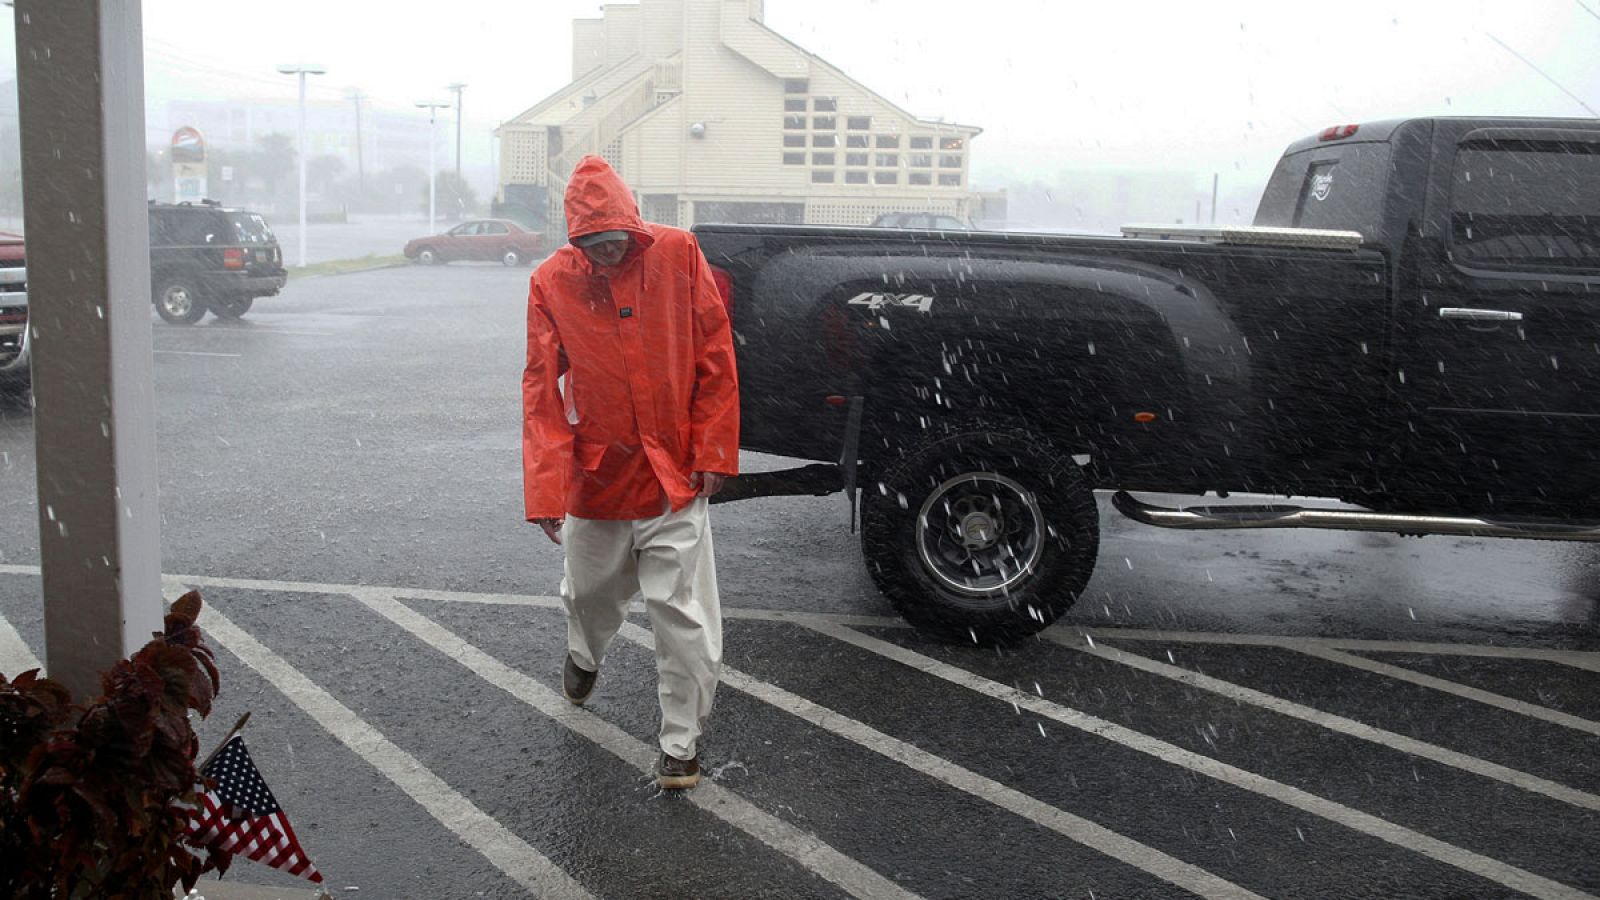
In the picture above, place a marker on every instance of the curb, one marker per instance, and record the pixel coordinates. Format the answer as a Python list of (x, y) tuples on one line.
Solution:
[(236, 890), (358, 264)]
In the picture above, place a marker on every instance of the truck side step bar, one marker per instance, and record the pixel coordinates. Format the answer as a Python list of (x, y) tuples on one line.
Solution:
[(818, 479), (1278, 516)]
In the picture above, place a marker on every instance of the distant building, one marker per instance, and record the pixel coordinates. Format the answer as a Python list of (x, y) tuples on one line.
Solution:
[(710, 116), (387, 139)]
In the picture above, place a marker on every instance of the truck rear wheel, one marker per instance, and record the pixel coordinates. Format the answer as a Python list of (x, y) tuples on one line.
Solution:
[(178, 299), (982, 537)]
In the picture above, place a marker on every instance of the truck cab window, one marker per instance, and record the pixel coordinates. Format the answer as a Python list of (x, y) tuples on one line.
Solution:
[(1526, 205), (1339, 188)]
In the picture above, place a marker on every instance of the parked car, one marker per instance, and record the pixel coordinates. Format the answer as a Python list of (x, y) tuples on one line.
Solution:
[(13, 309), (921, 220), (1410, 326), (209, 257), (480, 239)]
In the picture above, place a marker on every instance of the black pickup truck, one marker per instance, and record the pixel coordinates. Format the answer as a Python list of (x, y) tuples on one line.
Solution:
[(1411, 326)]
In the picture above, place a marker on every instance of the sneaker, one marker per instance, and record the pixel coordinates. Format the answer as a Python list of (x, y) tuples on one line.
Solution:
[(576, 683), (673, 773)]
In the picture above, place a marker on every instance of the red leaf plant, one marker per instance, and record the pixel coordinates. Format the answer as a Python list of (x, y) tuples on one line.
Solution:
[(94, 799)]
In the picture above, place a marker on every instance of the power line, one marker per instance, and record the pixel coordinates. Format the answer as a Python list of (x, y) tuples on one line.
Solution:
[(1587, 9), (1529, 63)]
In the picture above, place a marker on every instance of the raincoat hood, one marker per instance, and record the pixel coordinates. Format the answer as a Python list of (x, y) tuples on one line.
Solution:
[(598, 200)]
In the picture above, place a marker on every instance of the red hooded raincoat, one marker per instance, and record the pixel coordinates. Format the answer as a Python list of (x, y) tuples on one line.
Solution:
[(648, 354)]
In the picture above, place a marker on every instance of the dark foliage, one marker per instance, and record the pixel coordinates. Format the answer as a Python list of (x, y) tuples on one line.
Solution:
[(94, 800)]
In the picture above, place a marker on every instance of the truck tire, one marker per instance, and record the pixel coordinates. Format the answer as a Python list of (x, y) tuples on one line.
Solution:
[(983, 537), (231, 307), (177, 298)]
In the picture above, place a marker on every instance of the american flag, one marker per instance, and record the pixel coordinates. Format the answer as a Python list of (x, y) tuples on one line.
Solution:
[(240, 815)]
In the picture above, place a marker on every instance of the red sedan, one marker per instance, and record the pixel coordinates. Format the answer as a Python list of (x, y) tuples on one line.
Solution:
[(487, 239)]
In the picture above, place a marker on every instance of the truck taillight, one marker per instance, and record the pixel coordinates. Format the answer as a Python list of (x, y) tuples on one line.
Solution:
[(232, 258), (1338, 132), (725, 288)]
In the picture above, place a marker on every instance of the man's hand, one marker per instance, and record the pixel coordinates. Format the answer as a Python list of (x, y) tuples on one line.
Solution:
[(707, 484), (551, 527)]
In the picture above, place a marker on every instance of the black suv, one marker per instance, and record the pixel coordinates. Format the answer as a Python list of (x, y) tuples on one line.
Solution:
[(206, 256)]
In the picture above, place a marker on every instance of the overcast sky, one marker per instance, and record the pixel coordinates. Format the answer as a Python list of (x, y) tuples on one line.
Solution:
[(1219, 85)]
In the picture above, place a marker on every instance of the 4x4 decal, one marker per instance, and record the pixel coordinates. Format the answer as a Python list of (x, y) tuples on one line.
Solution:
[(874, 301)]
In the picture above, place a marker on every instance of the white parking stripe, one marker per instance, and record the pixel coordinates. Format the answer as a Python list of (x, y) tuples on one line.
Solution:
[(1578, 659), (1500, 701), (1405, 838), (15, 657), (198, 353), (806, 849), (480, 831), (1339, 724), (1097, 837)]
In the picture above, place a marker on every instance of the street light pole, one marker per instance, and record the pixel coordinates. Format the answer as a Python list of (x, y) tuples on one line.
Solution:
[(457, 88), (302, 70), (432, 106)]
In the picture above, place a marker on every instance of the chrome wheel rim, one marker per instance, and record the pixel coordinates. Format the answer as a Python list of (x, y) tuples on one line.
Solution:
[(177, 301), (980, 534)]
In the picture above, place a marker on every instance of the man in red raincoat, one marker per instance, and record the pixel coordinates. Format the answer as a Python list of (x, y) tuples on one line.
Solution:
[(618, 464)]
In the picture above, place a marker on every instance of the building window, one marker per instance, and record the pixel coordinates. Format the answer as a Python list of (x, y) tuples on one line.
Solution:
[(950, 161), (794, 122), (794, 104), (855, 177), (822, 176), (922, 143), (858, 123), (822, 159), (824, 123), (796, 85), (794, 140), (951, 143), (886, 177), (888, 141), (856, 159), (824, 140), (950, 179), (794, 159), (857, 140), (921, 160), (825, 104), (920, 178), (888, 160)]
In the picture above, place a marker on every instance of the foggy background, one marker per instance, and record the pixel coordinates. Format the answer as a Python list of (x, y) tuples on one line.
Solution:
[(1094, 114)]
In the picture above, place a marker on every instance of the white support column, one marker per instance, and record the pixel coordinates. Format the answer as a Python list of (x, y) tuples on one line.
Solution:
[(80, 83)]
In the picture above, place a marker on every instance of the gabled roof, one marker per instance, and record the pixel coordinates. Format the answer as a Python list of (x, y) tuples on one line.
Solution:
[(557, 108), (969, 129)]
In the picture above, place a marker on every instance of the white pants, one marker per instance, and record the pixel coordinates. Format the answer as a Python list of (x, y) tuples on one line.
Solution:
[(668, 559)]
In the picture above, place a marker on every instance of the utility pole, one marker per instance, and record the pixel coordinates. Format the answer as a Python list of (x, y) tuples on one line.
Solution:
[(457, 88), (1214, 178), (361, 168)]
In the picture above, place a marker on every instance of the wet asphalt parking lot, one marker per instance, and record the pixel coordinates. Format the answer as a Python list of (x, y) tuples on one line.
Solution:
[(1279, 714)]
